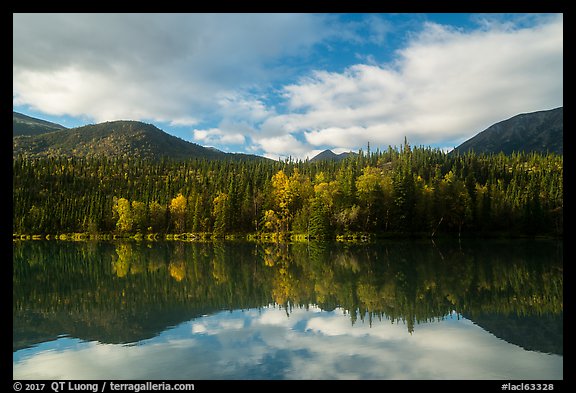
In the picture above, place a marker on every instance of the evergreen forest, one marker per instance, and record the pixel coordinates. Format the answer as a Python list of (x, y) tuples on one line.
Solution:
[(405, 191)]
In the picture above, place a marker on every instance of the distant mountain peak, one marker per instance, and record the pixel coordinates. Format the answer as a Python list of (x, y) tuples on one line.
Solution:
[(329, 155), (540, 131)]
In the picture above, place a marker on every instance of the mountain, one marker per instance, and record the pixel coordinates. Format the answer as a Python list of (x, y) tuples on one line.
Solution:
[(329, 155), (26, 125), (122, 138), (537, 131)]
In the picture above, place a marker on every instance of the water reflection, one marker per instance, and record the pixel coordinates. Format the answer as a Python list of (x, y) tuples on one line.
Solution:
[(388, 310), (310, 344)]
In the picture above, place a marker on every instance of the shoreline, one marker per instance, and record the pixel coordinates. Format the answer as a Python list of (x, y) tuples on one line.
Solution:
[(362, 237)]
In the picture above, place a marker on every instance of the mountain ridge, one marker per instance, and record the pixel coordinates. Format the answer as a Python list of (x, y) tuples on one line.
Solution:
[(540, 131), (119, 138), (27, 125)]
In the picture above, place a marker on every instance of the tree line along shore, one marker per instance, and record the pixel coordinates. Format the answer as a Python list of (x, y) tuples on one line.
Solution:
[(405, 191)]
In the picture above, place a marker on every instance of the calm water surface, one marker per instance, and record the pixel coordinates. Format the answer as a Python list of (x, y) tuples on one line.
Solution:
[(239, 310)]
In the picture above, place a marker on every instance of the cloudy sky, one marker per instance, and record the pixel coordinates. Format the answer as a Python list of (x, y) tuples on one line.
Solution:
[(290, 84)]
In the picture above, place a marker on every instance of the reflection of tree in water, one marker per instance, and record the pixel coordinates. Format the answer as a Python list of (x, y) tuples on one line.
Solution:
[(412, 282), (417, 282), (286, 284), (122, 260), (177, 263), (220, 264)]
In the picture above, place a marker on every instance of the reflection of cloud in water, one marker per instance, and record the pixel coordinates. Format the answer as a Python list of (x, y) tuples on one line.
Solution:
[(266, 344)]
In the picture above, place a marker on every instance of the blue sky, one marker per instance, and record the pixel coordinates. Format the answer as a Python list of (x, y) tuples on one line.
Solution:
[(290, 84)]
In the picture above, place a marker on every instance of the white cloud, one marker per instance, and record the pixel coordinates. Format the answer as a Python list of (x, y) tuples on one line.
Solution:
[(277, 146), (240, 113), (184, 121), (154, 66), (215, 136), (445, 86), (243, 107)]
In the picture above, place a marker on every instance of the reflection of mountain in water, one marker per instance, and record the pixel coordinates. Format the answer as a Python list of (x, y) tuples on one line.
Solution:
[(127, 292), (542, 333), (31, 328)]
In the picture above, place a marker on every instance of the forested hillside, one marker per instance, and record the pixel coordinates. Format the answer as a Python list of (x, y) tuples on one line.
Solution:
[(404, 191), (115, 139)]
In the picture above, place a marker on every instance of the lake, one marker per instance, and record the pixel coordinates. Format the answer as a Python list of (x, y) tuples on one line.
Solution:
[(490, 309)]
